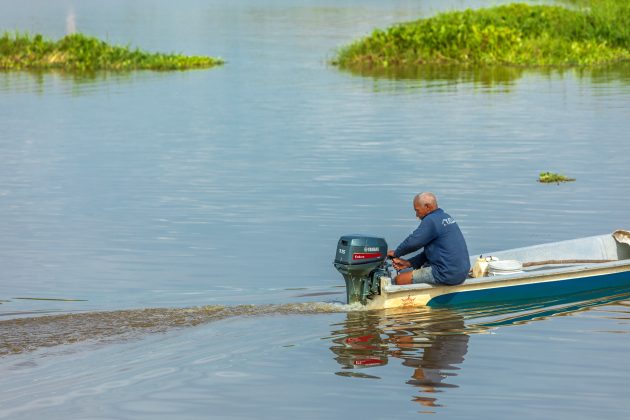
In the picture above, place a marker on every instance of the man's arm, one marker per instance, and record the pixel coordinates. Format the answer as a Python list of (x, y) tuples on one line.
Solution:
[(420, 237)]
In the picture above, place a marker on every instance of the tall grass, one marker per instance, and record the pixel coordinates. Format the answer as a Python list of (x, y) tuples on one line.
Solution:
[(79, 53), (517, 34)]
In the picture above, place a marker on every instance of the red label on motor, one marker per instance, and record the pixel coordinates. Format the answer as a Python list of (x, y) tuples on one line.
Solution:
[(365, 256)]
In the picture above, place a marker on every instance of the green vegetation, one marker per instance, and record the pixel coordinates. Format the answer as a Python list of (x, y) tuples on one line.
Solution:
[(516, 34), (81, 53), (549, 177)]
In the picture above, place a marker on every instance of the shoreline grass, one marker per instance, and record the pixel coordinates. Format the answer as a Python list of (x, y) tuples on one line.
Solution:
[(516, 34), (82, 53)]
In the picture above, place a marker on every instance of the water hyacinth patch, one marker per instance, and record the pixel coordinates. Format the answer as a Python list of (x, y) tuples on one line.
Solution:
[(550, 177), (516, 34), (80, 53)]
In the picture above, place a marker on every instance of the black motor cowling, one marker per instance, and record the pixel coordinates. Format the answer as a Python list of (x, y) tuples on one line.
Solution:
[(360, 259)]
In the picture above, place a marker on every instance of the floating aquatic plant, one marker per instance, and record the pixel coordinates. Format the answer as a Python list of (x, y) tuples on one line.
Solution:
[(82, 53), (516, 34), (550, 177)]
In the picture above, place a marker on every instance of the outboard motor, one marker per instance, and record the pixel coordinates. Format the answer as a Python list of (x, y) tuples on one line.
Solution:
[(361, 261)]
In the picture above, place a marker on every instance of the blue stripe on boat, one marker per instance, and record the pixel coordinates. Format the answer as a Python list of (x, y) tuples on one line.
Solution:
[(535, 290)]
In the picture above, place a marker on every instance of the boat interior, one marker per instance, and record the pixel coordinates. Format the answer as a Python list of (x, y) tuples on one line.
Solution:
[(583, 252)]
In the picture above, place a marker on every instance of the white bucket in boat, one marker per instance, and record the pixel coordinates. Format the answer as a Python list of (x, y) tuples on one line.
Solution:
[(502, 267)]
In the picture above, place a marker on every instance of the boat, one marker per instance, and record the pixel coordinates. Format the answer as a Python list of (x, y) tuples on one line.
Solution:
[(539, 271)]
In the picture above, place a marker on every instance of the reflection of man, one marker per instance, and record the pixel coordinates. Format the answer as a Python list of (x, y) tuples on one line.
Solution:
[(444, 259), (442, 352)]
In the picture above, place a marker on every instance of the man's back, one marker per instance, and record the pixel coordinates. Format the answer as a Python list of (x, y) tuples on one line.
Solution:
[(447, 252)]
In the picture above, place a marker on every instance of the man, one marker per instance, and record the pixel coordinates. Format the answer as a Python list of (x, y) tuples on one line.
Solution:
[(444, 260)]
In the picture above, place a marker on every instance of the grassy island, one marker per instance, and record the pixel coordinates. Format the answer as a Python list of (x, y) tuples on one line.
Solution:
[(516, 34), (81, 53)]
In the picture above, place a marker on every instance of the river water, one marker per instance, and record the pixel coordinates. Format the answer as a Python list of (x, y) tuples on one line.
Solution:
[(177, 230)]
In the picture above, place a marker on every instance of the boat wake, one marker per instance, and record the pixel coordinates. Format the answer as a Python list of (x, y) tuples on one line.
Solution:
[(22, 335), (27, 334)]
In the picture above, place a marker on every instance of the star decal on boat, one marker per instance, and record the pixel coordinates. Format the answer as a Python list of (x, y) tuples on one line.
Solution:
[(408, 301)]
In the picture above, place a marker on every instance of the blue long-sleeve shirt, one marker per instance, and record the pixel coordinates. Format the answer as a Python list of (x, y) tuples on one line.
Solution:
[(444, 248)]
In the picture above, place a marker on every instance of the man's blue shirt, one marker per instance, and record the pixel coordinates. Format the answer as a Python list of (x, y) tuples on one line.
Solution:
[(444, 248)]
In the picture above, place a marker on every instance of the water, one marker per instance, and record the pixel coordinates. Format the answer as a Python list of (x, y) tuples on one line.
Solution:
[(215, 199)]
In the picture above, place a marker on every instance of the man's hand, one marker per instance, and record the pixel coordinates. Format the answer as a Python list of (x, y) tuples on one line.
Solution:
[(400, 264)]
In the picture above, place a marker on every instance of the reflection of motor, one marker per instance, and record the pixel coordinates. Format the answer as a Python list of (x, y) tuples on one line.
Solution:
[(362, 261), (358, 343)]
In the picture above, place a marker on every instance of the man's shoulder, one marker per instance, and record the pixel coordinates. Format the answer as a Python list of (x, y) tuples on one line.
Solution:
[(442, 219), (436, 215)]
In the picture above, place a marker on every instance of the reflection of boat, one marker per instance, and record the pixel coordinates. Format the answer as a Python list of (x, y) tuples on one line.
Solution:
[(554, 269), (526, 311), (434, 342)]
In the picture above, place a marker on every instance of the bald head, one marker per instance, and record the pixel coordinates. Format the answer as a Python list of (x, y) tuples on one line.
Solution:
[(425, 198), (424, 203)]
